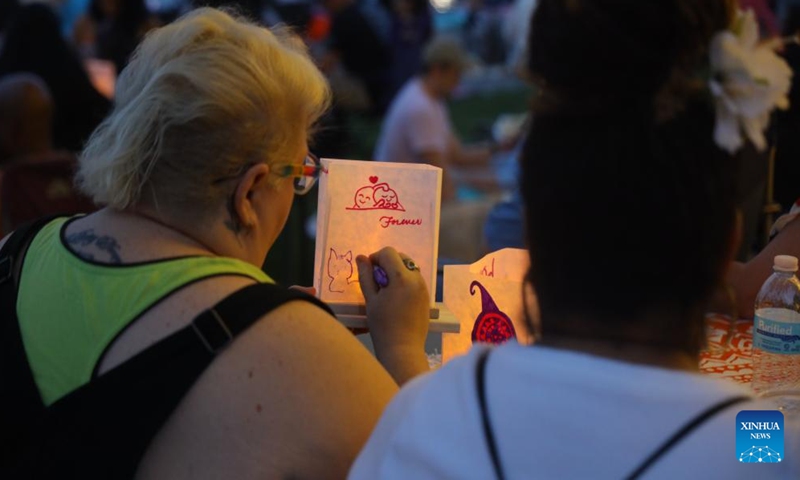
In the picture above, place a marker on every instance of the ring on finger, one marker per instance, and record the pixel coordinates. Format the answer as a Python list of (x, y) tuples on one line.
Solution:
[(410, 264)]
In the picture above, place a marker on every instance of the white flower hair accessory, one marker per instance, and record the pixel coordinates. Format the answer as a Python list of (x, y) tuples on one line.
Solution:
[(748, 80)]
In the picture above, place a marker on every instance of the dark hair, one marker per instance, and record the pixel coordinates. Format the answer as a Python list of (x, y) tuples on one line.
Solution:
[(34, 44), (248, 8), (130, 16), (418, 7), (787, 124), (118, 35), (7, 10), (629, 202)]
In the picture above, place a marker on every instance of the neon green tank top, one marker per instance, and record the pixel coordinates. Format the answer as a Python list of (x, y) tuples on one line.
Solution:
[(70, 309)]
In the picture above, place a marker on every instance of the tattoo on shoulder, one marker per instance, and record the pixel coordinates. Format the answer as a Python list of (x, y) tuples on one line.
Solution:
[(88, 244)]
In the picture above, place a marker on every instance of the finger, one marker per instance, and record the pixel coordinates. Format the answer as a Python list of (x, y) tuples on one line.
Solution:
[(389, 260), (368, 286), (309, 290)]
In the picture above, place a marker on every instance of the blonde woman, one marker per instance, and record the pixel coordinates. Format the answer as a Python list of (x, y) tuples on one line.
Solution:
[(197, 167)]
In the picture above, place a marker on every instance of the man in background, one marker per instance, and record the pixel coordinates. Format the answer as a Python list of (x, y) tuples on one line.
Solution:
[(417, 128)]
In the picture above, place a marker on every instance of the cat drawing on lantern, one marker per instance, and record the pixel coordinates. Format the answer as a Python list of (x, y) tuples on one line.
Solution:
[(340, 271)]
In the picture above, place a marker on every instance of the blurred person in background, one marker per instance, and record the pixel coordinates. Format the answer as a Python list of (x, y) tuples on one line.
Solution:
[(515, 33), (35, 179), (251, 9), (745, 279), (417, 128), (112, 29), (484, 26), (34, 44), (26, 113), (411, 29), (357, 44), (294, 13)]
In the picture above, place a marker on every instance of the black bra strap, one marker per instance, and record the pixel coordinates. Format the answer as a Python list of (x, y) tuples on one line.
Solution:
[(217, 326), (486, 420), (647, 463), (683, 433)]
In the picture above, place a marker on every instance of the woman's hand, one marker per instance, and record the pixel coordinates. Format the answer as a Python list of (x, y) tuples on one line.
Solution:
[(397, 314), (308, 290)]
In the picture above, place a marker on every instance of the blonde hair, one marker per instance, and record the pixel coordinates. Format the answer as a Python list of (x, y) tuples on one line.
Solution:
[(202, 99)]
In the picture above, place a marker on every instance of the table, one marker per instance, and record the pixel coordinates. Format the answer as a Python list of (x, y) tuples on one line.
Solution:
[(728, 354), (729, 351), (722, 358)]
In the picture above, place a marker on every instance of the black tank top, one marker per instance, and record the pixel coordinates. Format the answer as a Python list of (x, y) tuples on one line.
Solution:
[(103, 429)]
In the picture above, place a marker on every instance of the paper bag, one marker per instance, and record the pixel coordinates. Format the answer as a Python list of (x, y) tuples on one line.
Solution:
[(486, 298), (365, 206)]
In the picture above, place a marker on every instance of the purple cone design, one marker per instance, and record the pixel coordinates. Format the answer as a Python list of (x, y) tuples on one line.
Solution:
[(492, 325)]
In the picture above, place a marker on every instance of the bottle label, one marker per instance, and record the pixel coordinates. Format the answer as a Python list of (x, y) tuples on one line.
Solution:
[(776, 337)]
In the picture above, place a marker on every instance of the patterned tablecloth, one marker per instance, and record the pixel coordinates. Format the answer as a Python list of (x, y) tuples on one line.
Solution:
[(728, 354)]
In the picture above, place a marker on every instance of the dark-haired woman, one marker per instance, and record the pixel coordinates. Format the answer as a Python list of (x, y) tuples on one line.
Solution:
[(626, 129), (34, 44)]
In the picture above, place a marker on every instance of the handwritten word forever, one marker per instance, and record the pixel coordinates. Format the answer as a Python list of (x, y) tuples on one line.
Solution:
[(387, 222)]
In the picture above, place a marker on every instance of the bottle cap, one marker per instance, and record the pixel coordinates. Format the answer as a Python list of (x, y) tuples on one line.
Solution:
[(785, 263)]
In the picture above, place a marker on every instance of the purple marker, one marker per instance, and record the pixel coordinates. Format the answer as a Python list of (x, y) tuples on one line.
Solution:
[(380, 276)]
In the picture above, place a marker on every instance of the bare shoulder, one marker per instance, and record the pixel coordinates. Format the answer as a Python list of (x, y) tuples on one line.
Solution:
[(791, 234), (296, 395)]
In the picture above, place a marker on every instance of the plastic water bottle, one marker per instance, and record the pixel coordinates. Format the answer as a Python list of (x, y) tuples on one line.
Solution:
[(776, 335)]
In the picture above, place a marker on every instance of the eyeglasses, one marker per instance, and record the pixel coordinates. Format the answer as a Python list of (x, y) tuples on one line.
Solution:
[(305, 175)]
